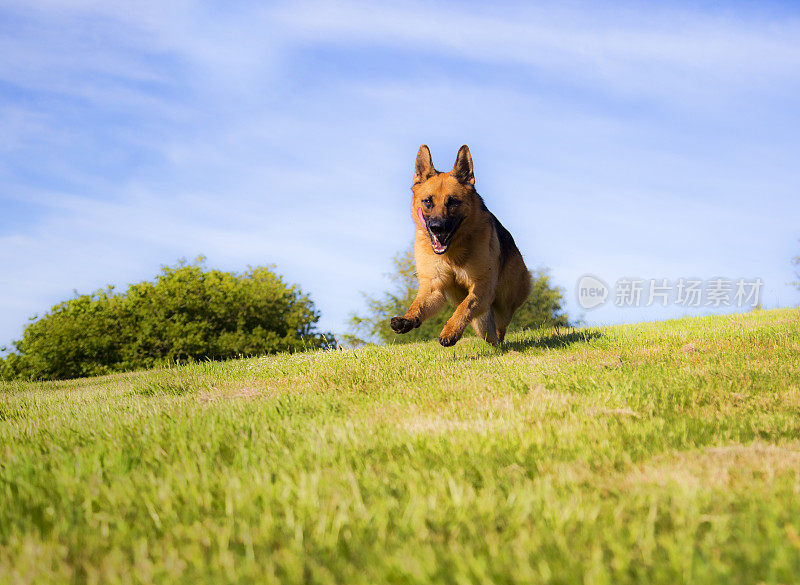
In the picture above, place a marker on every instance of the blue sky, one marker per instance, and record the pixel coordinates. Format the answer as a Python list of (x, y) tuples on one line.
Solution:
[(619, 140)]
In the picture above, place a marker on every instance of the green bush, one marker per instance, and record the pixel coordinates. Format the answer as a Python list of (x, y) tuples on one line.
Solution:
[(187, 313), (544, 308)]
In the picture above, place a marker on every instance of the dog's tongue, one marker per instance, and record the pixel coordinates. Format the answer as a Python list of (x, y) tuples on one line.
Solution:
[(421, 219)]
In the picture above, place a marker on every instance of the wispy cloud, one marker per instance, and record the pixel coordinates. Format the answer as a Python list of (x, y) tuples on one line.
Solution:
[(609, 139), (652, 50)]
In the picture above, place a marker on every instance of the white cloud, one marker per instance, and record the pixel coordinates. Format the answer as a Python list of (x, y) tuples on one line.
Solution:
[(670, 53), (167, 130)]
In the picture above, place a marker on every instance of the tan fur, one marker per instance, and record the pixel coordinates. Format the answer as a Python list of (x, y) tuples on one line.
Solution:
[(486, 281)]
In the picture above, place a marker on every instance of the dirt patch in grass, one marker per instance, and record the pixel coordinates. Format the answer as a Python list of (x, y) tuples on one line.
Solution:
[(619, 412), (726, 466), (437, 424), (215, 394), (482, 412)]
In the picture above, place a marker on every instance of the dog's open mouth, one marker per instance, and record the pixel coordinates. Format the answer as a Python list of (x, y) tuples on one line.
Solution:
[(439, 244), (438, 247)]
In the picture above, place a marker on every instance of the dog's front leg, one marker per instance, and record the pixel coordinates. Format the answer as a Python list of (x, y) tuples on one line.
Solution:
[(429, 301), (476, 303)]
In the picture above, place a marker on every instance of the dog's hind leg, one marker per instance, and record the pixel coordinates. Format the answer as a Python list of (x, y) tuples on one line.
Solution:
[(502, 319), (486, 328)]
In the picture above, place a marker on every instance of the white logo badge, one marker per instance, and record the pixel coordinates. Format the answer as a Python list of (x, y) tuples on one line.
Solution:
[(592, 292)]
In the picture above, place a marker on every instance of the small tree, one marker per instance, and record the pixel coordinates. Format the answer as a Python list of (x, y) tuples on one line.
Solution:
[(544, 308), (186, 313)]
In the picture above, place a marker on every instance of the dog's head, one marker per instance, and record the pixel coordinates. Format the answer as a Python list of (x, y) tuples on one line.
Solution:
[(442, 201)]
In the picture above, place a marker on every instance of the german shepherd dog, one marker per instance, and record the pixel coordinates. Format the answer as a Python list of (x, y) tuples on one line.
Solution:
[(463, 254)]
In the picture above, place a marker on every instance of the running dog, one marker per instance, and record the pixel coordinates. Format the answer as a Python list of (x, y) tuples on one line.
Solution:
[(463, 254)]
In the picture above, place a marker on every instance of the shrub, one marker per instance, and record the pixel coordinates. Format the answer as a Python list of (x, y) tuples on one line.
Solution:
[(186, 313)]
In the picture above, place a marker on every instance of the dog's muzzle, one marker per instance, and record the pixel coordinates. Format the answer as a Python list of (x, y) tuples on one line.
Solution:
[(440, 230)]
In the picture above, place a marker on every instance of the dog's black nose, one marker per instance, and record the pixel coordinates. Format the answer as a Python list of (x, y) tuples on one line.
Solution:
[(438, 226)]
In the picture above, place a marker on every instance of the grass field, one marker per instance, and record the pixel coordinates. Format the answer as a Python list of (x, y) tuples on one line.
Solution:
[(653, 453)]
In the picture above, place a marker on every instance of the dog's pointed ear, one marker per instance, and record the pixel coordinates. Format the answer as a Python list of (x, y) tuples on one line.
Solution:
[(423, 170), (462, 170)]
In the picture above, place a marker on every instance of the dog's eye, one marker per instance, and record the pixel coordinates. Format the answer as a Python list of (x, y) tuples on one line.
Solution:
[(453, 202), (427, 202)]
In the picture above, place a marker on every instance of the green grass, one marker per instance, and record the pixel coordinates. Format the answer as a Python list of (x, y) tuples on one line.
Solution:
[(652, 453)]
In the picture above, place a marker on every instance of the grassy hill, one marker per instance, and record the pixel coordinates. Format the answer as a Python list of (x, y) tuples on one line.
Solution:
[(653, 453)]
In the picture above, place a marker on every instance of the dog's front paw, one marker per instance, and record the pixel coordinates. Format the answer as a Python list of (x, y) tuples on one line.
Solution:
[(403, 325), (449, 339)]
